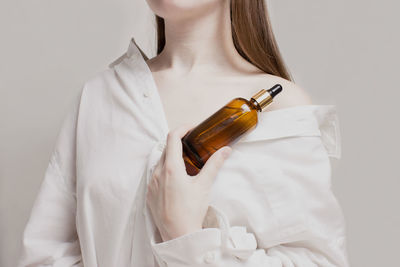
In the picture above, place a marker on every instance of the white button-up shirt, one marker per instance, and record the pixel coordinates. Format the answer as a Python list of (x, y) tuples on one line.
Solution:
[(271, 202)]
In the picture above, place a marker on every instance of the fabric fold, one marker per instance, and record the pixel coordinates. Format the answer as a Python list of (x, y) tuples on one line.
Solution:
[(302, 120)]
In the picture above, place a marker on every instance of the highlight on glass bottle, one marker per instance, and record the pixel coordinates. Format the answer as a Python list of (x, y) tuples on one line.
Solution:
[(225, 127)]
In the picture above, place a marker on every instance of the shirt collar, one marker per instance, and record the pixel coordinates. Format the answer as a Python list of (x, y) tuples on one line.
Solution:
[(132, 51), (133, 70)]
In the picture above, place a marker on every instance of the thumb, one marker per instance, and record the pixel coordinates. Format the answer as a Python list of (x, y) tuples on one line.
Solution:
[(214, 163)]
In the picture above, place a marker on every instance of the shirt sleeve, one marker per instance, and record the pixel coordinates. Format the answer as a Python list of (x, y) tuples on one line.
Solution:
[(50, 237), (309, 225)]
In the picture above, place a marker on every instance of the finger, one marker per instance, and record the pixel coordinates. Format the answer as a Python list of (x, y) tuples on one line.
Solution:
[(173, 147), (160, 163), (158, 167), (162, 158), (213, 164)]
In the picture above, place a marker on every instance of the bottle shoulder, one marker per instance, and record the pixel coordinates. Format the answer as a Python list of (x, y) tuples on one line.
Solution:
[(243, 104)]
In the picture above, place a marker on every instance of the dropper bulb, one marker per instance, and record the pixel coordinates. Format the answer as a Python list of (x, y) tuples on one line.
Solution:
[(276, 89)]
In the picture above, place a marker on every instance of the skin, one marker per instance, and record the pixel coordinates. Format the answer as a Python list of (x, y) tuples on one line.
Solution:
[(179, 202), (200, 65)]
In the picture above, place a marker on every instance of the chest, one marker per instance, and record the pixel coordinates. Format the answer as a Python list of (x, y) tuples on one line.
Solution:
[(192, 101)]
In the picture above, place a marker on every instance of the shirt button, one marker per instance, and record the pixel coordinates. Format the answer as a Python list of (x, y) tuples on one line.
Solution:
[(209, 257), (145, 94)]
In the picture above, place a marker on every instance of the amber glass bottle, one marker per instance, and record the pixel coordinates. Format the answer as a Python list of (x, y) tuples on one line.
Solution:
[(224, 127)]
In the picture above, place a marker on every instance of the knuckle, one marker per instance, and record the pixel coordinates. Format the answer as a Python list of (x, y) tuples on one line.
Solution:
[(156, 175), (148, 196), (221, 158), (171, 135), (169, 170), (166, 218)]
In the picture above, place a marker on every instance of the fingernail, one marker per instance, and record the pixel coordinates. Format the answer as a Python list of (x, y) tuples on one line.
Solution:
[(226, 150)]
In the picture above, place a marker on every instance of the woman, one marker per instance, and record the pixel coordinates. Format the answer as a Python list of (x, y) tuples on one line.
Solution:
[(116, 192)]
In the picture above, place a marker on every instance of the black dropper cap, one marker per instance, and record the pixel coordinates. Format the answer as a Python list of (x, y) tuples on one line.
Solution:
[(276, 89)]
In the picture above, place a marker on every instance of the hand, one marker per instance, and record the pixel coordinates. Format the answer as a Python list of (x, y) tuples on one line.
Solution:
[(178, 201)]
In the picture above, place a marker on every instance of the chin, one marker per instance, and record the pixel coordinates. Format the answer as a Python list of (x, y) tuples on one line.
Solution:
[(176, 9)]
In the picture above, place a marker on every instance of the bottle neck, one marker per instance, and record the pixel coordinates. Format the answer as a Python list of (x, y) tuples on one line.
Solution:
[(262, 102), (264, 97)]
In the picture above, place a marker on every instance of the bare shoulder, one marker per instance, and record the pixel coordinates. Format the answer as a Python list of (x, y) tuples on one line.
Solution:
[(291, 95)]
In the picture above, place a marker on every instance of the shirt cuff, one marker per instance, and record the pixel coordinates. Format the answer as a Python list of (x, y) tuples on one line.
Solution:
[(198, 248), (216, 244)]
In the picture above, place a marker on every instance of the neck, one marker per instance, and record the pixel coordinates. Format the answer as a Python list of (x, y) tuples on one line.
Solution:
[(201, 43)]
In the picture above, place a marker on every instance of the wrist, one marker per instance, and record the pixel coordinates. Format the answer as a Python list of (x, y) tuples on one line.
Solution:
[(175, 232)]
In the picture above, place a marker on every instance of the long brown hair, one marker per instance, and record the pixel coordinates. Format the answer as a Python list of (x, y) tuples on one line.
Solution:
[(252, 36)]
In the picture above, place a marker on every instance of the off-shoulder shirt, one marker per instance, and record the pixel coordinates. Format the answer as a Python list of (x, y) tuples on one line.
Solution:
[(271, 203)]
